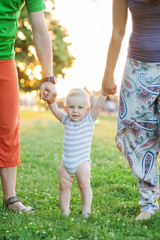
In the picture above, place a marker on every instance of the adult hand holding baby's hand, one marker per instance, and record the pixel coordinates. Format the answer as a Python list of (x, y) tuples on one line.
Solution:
[(48, 92), (108, 86)]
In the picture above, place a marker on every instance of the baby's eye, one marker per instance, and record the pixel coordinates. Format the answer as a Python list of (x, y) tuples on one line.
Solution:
[(71, 107), (80, 107)]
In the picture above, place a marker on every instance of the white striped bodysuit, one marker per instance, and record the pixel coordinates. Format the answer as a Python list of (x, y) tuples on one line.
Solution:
[(77, 142)]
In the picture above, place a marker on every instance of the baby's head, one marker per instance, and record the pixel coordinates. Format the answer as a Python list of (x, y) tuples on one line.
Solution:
[(77, 104)]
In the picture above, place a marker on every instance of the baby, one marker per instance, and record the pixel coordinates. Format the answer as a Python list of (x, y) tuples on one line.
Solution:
[(79, 125)]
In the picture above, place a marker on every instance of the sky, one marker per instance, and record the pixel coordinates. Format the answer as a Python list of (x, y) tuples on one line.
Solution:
[(89, 26)]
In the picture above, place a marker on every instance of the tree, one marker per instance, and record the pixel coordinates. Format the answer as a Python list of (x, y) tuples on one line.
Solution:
[(29, 70)]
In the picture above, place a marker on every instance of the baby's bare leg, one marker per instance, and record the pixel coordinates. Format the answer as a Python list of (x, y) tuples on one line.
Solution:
[(83, 179), (65, 183)]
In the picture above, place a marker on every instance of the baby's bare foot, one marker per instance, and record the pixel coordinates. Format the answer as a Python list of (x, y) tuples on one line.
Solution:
[(66, 213), (85, 214), (144, 215)]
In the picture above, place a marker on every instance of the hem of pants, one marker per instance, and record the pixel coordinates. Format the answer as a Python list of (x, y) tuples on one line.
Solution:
[(149, 210), (11, 165)]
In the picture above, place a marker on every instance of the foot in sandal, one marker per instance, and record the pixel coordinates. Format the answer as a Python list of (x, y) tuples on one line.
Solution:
[(15, 204)]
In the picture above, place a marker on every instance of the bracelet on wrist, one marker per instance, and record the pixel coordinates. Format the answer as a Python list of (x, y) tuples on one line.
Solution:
[(51, 79)]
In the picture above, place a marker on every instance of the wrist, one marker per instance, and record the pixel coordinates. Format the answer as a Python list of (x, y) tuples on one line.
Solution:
[(51, 102), (109, 74)]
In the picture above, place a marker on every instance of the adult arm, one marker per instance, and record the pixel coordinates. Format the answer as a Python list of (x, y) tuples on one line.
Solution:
[(97, 106), (43, 46), (119, 24)]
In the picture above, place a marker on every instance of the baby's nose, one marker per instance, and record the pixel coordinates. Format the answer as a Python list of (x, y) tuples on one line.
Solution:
[(75, 109)]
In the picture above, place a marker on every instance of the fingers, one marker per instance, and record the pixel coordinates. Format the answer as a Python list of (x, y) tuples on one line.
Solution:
[(109, 91), (105, 93), (108, 85), (41, 93), (48, 92), (51, 97)]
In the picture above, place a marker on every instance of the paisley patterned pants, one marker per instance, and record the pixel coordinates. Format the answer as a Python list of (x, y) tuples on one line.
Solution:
[(137, 131)]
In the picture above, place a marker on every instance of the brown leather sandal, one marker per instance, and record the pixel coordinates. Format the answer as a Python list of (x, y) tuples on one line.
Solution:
[(15, 199)]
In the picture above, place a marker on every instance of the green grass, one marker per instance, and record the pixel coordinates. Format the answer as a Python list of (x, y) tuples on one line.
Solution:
[(115, 191)]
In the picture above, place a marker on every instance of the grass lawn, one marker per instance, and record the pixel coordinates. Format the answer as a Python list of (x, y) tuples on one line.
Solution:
[(115, 190)]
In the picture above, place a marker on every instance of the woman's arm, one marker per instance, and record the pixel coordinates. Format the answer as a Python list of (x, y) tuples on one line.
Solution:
[(119, 24), (43, 46)]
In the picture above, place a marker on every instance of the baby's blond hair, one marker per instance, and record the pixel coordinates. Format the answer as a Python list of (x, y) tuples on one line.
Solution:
[(78, 92)]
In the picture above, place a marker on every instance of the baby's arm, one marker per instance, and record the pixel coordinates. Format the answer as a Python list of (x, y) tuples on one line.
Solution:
[(53, 107), (97, 106), (56, 111)]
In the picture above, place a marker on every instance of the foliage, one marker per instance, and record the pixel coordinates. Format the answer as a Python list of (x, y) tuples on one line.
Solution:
[(115, 190), (25, 52)]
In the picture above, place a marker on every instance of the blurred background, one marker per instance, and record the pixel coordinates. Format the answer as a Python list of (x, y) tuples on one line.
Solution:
[(80, 31)]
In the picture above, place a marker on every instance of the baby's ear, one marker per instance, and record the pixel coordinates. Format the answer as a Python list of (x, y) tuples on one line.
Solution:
[(88, 109), (65, 108)]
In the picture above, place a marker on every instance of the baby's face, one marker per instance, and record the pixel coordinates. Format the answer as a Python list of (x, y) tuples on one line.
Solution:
[(77, 108)]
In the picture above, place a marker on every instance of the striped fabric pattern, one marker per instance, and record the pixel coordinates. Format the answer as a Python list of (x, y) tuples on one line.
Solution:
[(77, 141)]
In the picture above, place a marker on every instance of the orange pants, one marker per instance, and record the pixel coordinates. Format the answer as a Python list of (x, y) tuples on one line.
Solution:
[(9, 114)]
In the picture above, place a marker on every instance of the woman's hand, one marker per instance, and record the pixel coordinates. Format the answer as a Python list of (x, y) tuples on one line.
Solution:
[(108, 86)]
